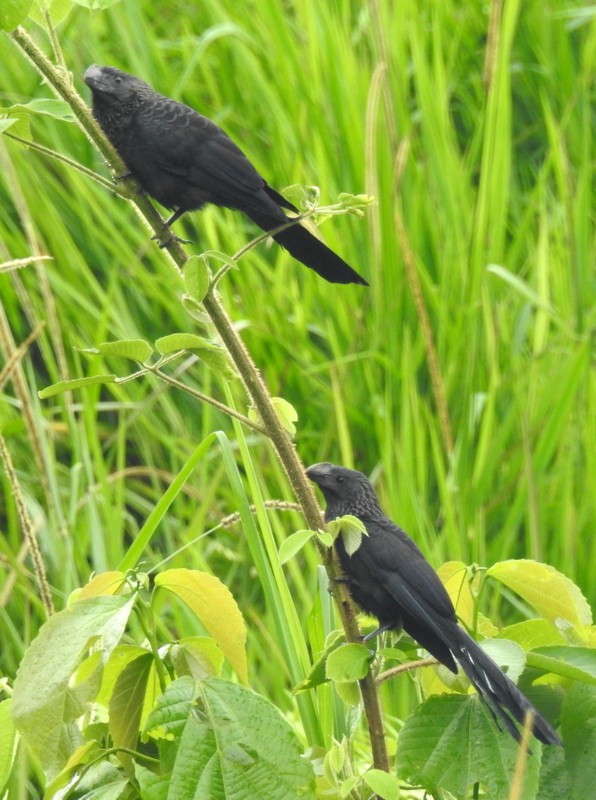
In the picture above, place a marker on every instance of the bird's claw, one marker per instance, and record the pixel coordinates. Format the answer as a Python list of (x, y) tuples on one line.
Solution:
[(171, 238)]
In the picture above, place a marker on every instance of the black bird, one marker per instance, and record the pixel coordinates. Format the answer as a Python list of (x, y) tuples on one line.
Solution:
[(389, 577), (184, 161)]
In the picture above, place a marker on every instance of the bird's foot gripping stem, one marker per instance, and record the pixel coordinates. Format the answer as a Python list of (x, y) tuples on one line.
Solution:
[(171, 237)]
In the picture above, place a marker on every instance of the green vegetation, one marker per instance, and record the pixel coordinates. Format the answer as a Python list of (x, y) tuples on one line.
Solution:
[(462, 380)]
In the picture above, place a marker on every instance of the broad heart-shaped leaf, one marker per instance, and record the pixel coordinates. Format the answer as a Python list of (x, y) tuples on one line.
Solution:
[(348, 663), (44, 703), (233, 744), (452, 742), (214, 605), (76, 383), (552, 594)]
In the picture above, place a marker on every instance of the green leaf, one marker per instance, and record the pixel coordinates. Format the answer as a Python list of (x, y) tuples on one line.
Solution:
[(58, 11), (76, 383), (215, 607), (451, 742), (133, 349), (217, 360), (126, 705), (230, 737), (350, 662), (550, 592), (51, 107), (144, 536), (7, 743), (325, 538), (286, 413), (13, 12), (334, 762), (196, 278), (349, 692), (83, 755), (578, 724), (153, 787), (576, 663), (318, 671), (533, 633), (351, 529), (212, 354), (520, 286), (293, 544), (120, 657), (44, 703), (184, 341), (382, 783), (197, 656)]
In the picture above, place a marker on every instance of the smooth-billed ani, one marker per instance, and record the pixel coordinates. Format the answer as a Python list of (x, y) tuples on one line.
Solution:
[(184, 161), (389, 577)]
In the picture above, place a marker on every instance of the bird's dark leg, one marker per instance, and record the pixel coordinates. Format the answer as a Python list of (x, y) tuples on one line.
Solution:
[(166, 227)]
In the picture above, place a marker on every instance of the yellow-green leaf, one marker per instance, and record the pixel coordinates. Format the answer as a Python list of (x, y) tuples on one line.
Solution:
[(287, 414), (552, 594), (183, 341), (295, 542), (105, 583), (77, 383), (133, 349), (215, 607), (196, 278)]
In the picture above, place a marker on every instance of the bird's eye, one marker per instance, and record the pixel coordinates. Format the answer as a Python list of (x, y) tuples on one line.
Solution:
[(340, 479), (117, 80)]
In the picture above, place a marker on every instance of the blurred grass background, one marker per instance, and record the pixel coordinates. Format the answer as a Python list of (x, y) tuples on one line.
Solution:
[(487, 162)]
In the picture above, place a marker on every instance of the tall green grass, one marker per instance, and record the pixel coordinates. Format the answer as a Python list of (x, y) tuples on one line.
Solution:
[(493, 186)]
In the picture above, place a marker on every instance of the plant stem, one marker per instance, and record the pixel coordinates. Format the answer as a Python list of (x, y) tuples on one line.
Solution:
[(250, 376)]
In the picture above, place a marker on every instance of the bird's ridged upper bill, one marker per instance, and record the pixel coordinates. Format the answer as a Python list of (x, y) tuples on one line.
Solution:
[(93, 76), (318, 471)]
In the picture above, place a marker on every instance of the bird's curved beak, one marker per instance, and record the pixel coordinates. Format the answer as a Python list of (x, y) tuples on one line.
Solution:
[(93, 77), (318, 472)]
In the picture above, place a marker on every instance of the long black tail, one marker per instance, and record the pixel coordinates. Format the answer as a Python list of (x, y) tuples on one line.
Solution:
[(499, 691), (307, 249)]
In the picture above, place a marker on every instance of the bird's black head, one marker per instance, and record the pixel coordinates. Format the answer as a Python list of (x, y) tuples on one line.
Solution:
[(113, 87), (346, 491)]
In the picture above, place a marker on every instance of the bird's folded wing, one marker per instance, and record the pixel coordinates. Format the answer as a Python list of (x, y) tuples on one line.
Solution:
[(397, 563), (185, 143)]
